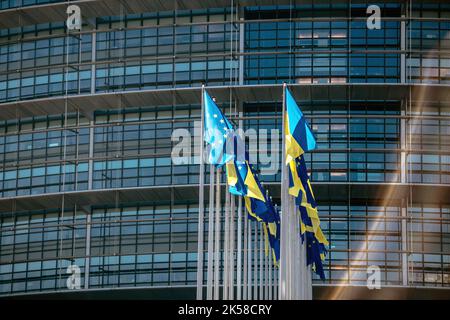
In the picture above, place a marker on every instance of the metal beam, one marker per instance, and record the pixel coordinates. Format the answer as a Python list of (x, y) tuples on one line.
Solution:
[(56, 12), (324, 191), (88, 103)]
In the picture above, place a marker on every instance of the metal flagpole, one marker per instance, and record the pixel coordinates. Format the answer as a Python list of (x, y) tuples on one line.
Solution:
[(288, 258), (297, 267), (275, 275), (226, 245), (309, 282), (217, 237), (261, 261), (239, 252), (245, 262), (209, 272), (276, 292), (242, 217), (300, 261), (304, 269), (201, 201), (255, 262), (266, 271), (284, 209), (271, 268), (232, 249), (249, 260), (290, 255)]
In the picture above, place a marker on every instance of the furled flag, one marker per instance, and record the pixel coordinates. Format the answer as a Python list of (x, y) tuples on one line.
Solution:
[(243, 181)]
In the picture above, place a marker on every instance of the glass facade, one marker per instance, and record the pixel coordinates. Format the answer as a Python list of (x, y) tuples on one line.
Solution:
[(380, 145)]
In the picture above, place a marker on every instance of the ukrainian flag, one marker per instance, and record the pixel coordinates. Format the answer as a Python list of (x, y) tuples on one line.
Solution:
[(298, 140), (243, 181), (298, 135)]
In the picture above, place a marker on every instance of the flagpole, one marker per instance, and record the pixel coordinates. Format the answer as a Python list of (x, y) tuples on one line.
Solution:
[(226, 244), (291, 252), (232, 249), (283, 234), (209, 271), (271, 267), (217, 237), (261, 262), (255, 262), (297, 266), (296, 253), (276, 292), (266, 270), (309, 282), (245, 252), (201, 200), (239, 251), (249, 260), (241, 280)]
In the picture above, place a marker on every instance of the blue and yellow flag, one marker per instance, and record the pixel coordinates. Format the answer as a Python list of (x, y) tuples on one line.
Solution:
[(298, 140), (218, 132), (226, 148), (243, 180), (298, 135), (315, 254)]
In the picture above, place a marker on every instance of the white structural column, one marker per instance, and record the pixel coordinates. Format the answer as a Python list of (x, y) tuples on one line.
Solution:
[(405, 267), (88, 247), (91, 154), (403, 48), (93, 59), (241, 50)]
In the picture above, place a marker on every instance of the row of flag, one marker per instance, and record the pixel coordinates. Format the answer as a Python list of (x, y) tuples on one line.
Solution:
[(226, 149)]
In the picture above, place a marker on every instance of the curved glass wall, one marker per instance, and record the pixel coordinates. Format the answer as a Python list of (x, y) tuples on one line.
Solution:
[(358, 141), (188, 48), (156, 245), (370, 143)]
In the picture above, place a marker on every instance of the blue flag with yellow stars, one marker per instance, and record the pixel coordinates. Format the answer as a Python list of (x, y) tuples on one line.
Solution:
[(218, 133)]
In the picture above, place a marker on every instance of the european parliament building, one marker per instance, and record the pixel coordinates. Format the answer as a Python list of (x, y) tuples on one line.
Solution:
[(88, 187)]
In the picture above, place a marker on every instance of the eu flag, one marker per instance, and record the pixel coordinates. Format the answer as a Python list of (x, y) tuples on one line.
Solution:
[(218, 133)]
